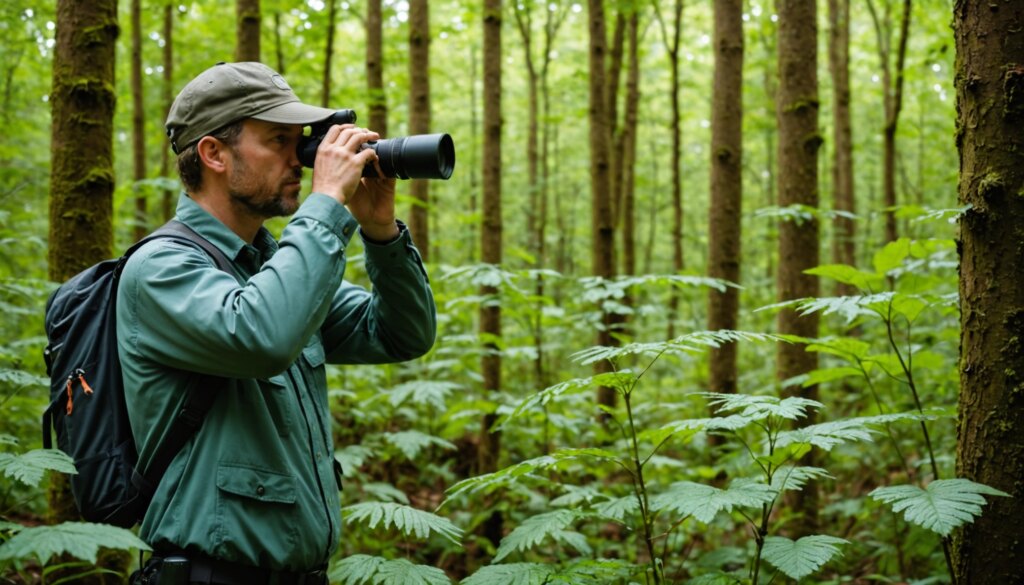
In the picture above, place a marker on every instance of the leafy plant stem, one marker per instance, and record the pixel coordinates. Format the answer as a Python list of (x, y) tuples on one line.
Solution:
[(882, 410), (641, 489)]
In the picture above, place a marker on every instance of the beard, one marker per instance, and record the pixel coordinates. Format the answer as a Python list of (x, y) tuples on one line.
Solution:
[(260, 198)]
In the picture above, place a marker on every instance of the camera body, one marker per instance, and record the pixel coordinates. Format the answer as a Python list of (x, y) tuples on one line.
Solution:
[(421, 156)]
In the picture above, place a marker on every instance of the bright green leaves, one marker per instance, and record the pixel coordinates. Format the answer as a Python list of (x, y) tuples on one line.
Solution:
[(829, 435), (410, 443), (800, 558), (407, 520), (761, 407), (536, 529), (942, 506), (370, 570), (78, 539), (29, 468), (511, 574), (704, 502)]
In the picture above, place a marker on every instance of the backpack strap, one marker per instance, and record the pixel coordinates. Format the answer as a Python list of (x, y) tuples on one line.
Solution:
[(199, 399)]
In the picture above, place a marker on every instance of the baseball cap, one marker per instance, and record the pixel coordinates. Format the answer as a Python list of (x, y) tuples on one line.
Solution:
[(228, 92)]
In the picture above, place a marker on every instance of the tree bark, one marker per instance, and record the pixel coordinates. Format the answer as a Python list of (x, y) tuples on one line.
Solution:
[(167, 200), (82, 101), (140, 228), (248, 30), (378, 120), (799, 142), (332, 18), (990, 450), (491, 245), (627, 215), (419, 115), (602, 222), (725, 211), (844, 228)]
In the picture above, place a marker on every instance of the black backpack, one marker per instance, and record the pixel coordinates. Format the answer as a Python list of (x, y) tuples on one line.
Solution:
[(87, 407)]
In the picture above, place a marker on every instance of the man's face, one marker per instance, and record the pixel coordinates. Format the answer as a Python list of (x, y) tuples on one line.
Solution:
[(265, 172)]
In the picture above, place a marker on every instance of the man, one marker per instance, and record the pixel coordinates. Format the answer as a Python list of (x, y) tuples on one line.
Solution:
[(253, 496)]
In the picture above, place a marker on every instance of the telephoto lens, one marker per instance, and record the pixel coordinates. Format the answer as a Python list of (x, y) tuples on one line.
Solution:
[(421, 156)]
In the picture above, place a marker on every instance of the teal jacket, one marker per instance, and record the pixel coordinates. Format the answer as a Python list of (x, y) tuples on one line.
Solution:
[(257, 484)]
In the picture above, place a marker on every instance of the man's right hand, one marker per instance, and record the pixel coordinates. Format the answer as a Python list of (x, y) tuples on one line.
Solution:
[(339, 164)]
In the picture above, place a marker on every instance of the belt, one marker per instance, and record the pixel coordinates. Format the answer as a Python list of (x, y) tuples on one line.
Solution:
[(215, 572)]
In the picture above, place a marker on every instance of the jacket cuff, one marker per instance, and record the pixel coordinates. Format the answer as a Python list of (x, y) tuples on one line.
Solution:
[(326, 210)]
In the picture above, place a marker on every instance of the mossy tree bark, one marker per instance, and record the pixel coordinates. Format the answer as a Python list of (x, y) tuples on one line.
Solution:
[(419, 115), (140, 227), (990, 107), (247, 31), (725, 211), (378, 119), (82, 101), (843, 227), (491, 247), (799, 141)]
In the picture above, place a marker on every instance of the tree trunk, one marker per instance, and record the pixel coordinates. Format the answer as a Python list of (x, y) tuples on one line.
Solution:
[(138, 124), (627, 212), (278, 46), (82, 101), (167, 201), (378, 120), (490, 239), (332, 18), (798, 185), (990, 107), (602, 226), (419, 115), (844, 228), (248, 30), (726, 207)]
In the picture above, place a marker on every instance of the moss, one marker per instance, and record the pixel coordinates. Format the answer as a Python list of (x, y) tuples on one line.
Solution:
[(94, 178), (812, 142), (101, 34), (992, 184), (802, 105)]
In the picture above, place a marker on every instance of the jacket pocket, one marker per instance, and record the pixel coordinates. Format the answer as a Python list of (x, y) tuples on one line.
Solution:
[(279, 403), (255, 511)]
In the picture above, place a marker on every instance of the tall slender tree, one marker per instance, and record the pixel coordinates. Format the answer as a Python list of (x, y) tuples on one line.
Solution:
[(167, 91), (893, 101), (491, 245), (627, 207), (378, 120), (843, 226), (138, 124), (726, 207), (799, 141), (247, 32), (419, 115), (990, 113), (332, 22)]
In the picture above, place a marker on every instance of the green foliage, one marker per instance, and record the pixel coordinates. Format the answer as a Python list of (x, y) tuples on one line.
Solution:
[(511, 574), (540, 527), (941, 506), (406, 519), (802, 557), (704, 502), (370, 570), (28, 468), (81, 540)]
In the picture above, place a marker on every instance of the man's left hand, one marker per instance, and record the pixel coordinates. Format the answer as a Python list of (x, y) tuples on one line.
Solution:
[(373, 206)]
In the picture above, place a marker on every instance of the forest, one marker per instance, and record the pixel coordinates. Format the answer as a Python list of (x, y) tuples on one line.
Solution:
[(728, 292)]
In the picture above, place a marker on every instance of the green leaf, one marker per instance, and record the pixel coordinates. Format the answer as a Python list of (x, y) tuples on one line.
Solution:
[(831, 434), (800, 558), (704, 502), (511, 574), (825, 375), (618, 380), (717, 578), (690, 343), (385, 492), (795, 478), (410, 443), (352, 458), (891, 256), (865, 281), (356, 569), (534, 530), (427, 393), (403, 572), (761, 407), (406, 519), (511, 474), (619, 508), (942, 506), (81, 540), (29, 468)]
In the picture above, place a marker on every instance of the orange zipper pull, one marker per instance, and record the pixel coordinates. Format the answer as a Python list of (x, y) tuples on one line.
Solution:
[(85, 385), (71, 405)]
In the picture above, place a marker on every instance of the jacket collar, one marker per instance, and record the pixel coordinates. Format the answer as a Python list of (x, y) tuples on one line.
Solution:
[(194, 216)]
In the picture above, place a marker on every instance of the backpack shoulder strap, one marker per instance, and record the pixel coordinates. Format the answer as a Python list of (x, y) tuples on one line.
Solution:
[(177, 230)]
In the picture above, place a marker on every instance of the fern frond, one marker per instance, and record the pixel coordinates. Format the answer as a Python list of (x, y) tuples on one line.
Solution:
[(535, 529), (410, 443), (356, 569), (29, 468), (576, 495), (504, 477), (704, 502), (511, 574), (352, 457), (795, 478), (406, 519), (618, 509), (427, 393), (759, 407), (81, 540), (800, 558), (403, 572), (831, 434), (385, 492), (940, 507), (619, 380), (689, 343)]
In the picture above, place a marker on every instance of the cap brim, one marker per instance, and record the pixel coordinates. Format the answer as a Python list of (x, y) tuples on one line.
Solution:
[(294, 113)]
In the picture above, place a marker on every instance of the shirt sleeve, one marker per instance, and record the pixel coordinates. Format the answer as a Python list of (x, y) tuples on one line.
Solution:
[(183, 312), (397, 321)]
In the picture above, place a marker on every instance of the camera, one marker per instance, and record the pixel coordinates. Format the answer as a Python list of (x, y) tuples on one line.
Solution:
[(421, 156)]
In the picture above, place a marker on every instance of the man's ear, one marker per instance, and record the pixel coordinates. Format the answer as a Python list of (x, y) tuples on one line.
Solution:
[(213, 153)]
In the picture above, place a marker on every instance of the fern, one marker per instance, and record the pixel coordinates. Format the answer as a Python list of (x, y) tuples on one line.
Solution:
[(29, 468), (761, 407), (352, 457), (619, 380), (942, 506), (406, 519), (829, 435), (511, 574), (619, 508), (22, 379), (704, 502), (696, 342), (433, 394), (370, 570), (535, 529), (795, 478), (800, 558), (81, 540), (410, 443), (509, 475)]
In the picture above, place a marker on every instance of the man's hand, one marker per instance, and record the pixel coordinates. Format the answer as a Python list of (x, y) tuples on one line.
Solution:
[(338, 172)]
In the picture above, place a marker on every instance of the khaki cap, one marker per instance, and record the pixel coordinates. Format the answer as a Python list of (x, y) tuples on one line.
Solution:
[(228, 92)]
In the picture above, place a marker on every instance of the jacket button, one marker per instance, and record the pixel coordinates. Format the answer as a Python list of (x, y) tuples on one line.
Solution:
[(260, 490)]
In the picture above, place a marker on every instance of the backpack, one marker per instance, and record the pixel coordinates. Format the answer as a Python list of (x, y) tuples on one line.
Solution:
[(87, 406)]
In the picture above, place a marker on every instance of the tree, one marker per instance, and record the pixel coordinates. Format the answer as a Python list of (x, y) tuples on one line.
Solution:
[(893, 102), (627, 147), (167, 206), (725, 210), (332, 17), (843, 226), (378, 121), (247, 47), (990, 107), (491, 246), (419, 115), (799, 141), (138, 123)]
